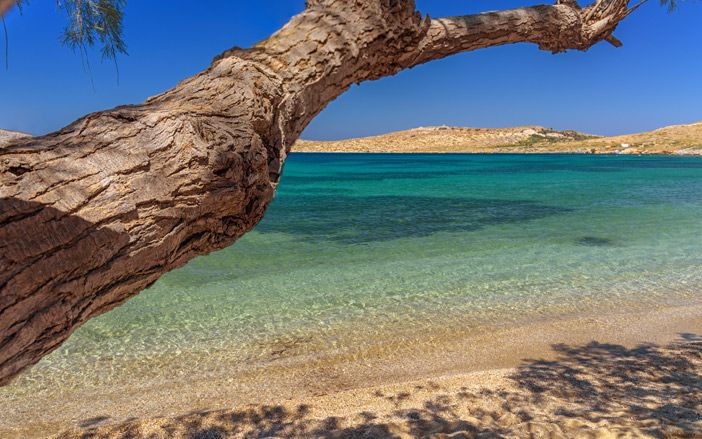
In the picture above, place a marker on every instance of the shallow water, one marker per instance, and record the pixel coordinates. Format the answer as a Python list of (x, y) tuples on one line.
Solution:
[(360, 254)]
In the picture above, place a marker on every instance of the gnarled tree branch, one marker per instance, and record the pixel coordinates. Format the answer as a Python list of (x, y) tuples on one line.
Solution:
[(554, 28), (94, 213)]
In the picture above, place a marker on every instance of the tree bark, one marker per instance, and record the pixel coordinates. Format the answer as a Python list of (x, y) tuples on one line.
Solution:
[(94, 213)]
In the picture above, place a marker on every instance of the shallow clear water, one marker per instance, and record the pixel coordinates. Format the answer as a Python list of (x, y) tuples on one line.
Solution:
[(361, 253)]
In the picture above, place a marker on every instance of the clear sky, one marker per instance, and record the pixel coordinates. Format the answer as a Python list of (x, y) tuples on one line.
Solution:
[(654, 80)]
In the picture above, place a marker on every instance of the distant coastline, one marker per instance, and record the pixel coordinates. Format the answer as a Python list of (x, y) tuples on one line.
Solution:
[(676, 139)]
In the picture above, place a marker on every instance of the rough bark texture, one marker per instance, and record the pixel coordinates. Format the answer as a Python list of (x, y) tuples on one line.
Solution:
[(93, 214)]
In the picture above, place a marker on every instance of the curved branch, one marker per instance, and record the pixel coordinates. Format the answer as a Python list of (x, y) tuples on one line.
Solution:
[(555, 28)]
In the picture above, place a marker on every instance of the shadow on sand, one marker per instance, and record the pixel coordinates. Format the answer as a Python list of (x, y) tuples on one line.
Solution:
[(594, 390)]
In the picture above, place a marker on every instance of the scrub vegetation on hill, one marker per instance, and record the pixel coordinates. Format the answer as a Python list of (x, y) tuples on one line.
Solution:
[(676, 139)]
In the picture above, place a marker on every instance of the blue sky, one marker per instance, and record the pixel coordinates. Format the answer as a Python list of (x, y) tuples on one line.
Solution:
[(654, 80)]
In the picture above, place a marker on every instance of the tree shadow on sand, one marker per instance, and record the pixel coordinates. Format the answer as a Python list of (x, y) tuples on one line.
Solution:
[(655, 389), (593, 390)]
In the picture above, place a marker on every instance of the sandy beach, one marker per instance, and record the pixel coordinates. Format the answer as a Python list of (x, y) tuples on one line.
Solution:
[(591, 391), (636, 375)]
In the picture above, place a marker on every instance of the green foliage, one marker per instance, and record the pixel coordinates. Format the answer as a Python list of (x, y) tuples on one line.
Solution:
[(19, 3), (672, 4), (91, 21)]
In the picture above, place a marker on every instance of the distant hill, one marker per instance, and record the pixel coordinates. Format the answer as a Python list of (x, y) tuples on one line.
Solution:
[(7, 136), (678, 139), (674, 139)]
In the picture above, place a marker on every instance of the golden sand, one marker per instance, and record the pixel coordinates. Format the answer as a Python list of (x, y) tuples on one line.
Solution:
[(635, 375)]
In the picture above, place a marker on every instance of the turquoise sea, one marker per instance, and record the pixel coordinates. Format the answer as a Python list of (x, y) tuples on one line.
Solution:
[(363, 253)]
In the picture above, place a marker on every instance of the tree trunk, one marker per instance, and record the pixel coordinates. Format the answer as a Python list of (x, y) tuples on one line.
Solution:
[(93, 214)]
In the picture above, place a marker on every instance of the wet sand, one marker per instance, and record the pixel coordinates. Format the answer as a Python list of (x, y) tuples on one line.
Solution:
[(639, 374)]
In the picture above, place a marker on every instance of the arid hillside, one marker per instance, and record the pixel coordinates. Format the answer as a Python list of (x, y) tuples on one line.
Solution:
[(675, 139), (678, 139)]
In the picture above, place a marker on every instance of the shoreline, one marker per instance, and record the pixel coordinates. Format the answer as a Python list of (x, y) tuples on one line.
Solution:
[(696, 153), (483, 363), (577, 388), (533, 400)]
